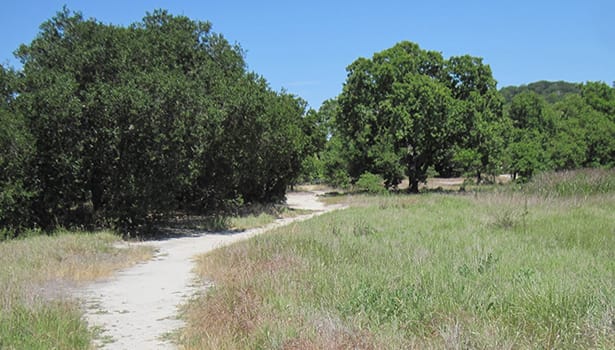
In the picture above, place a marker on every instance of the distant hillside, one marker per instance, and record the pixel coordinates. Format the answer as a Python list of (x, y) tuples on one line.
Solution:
[(552, 91)]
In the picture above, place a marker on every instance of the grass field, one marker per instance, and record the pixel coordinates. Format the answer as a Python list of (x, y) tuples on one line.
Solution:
[(36, 274), (512, 269)]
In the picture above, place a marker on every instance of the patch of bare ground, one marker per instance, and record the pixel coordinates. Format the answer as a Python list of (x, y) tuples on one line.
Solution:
[(454, 183)]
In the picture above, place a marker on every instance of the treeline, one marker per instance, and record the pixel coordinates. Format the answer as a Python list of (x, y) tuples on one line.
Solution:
[(121, 126), (577, 131), (410, 112), (110, 126), (551, 91)]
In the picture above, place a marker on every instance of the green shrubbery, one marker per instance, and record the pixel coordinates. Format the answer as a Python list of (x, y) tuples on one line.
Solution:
[(120, 126), (16, 149), (370, 183)]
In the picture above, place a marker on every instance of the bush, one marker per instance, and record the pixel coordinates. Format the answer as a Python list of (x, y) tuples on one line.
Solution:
[(370, 183)]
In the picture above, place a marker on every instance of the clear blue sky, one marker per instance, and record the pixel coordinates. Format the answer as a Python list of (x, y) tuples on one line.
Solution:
[(305, 46)]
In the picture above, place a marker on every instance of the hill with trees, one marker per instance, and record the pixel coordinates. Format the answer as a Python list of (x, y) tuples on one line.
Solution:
[(551, 91)]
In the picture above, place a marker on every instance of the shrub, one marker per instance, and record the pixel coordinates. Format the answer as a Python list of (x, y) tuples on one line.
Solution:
[(370, 183), (132, 124)]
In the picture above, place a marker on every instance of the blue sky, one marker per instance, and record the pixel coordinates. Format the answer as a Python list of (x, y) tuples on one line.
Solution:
[(305, 46)]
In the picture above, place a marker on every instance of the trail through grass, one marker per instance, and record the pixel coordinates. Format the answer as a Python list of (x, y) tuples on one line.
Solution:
[(35, 276), (493, 270)]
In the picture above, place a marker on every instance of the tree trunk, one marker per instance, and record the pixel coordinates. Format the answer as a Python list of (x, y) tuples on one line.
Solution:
[(412, 175), (414, 185)]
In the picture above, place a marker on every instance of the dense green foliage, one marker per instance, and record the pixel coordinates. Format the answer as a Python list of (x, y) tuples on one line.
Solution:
[(15, 154), (410, 112), (130, 124), (575, 132), (120, 126), (407, 109), (551, 91), (370, 183)]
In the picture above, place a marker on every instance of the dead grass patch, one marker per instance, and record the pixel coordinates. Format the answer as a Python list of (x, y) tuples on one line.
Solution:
[(333, 341), (36, 277), (45, 265), (220, 318), (332, 333)]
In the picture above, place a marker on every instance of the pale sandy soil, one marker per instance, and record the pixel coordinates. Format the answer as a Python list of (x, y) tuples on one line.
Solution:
[(137, 308)]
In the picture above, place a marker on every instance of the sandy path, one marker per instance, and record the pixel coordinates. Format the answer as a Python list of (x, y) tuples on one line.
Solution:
[(138, 306)]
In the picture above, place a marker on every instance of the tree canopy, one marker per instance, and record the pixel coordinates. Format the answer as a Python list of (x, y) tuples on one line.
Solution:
[(111, 126), (411, 112), (407, 109), (551, 91), (576, 131), (130, 124)]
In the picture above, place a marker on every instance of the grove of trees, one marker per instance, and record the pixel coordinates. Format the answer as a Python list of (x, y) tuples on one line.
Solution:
[(551, 91), (407, 110), (411, 112), (110, 126), (577, 131), (119, 126)]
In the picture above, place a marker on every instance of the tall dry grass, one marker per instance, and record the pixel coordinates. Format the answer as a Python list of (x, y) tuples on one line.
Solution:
[(572, 183), (505, 270), (36, 276)]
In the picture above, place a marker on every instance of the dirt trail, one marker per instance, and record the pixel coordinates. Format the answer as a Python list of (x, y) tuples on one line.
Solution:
[(138, 306)]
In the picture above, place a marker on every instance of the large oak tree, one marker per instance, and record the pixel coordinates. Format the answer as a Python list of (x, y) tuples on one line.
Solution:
[(407, 109)]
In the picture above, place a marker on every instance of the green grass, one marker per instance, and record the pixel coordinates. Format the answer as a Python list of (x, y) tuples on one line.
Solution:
[(56, 325), (250, 221), (490, 270), (36, 275), (584, 182)]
